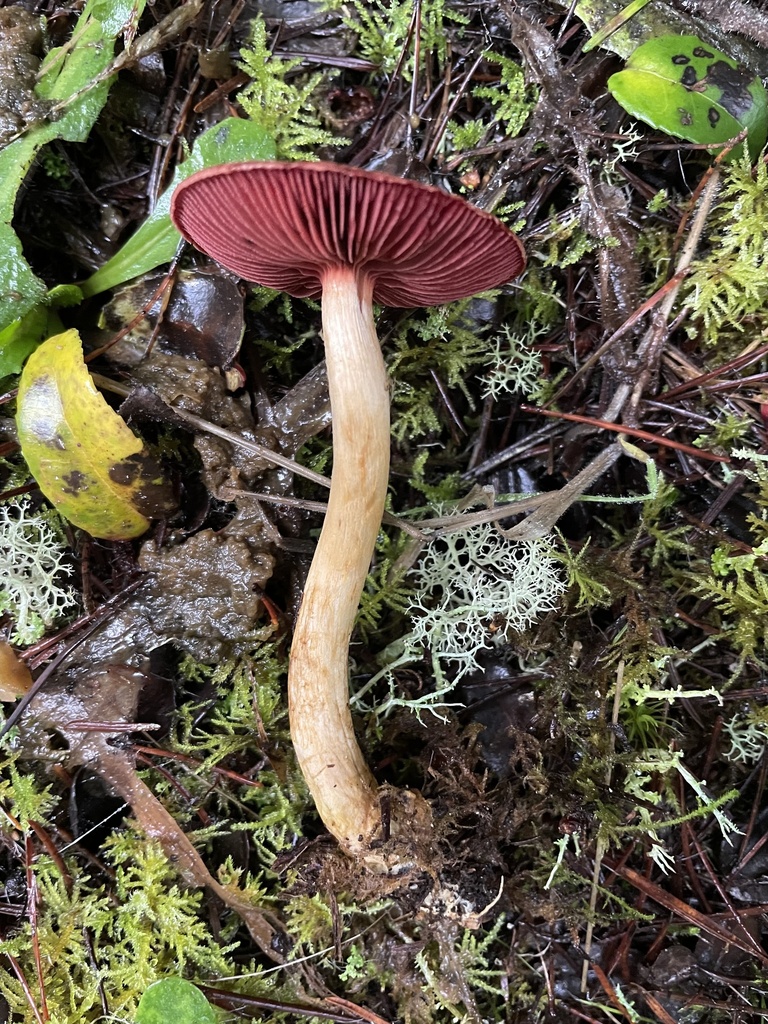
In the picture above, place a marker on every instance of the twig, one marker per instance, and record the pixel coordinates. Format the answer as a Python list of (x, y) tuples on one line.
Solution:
[(620, 428)]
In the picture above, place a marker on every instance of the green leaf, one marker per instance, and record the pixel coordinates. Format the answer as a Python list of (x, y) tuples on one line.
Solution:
[(618, 21), (688, 89), (84, 457), (65, 72), (68, 71), (23, 336), (62, 296), (644, 22), (174, 1001), (156, 241)]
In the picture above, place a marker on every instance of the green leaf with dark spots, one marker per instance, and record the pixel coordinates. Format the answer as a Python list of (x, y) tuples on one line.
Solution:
[(84, 457), (688, 89)]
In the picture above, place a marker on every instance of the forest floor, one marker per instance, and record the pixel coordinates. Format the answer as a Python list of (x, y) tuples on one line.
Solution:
[(576, 685)]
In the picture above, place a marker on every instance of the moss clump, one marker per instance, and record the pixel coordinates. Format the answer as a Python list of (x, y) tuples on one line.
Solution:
[(284, 108), (383, 28), (727, 289)]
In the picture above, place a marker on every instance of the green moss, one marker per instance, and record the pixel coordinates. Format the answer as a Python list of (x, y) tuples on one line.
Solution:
[(512, 99), (467, 135), (24, 796), (250, 704), (121, 935), (567, 242), (738, 587), (458, 974), (589, 582), (659, 202), (385, 598), (727, 289), (437, 486), (383, 26), (114, 932), (729, 428), (437, 345), (279, 101)]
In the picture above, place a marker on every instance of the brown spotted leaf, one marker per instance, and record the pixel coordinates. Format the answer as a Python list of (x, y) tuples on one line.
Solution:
[(84, 457)]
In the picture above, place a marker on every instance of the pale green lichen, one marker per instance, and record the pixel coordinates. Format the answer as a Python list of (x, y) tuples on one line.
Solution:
[(475, 588), (472, 590), (747, 736), (515, 364), (32, 564)]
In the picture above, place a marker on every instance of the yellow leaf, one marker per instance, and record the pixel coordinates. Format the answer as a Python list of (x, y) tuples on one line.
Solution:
[(84, 457)]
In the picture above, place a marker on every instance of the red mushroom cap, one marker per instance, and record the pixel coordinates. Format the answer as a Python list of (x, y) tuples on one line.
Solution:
[(284, 225)]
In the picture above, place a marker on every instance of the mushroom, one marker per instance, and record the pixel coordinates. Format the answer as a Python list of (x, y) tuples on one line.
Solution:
[(353, 237)]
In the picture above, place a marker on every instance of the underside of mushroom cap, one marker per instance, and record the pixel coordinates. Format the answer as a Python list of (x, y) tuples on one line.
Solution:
[(285, 225)]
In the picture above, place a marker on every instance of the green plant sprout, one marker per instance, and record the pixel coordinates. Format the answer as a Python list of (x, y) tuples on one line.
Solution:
[(32, 564), (22, 794), (511, 100)]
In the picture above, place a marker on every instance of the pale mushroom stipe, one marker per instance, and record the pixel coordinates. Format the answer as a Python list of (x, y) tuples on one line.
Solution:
[(352, 237)]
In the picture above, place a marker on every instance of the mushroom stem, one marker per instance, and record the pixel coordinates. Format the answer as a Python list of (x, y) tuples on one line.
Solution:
[(343, 788)]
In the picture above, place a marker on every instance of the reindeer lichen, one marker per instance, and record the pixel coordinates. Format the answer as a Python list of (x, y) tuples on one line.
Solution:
[(475, 588), (32, 564)]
